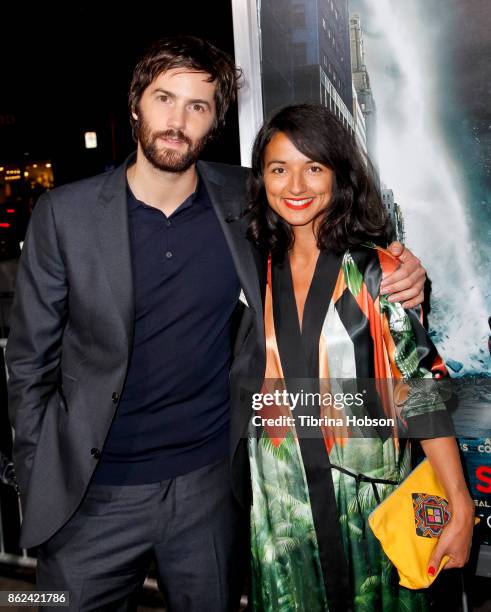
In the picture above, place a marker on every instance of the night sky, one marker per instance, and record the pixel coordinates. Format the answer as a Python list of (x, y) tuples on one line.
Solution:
[(67, 71)]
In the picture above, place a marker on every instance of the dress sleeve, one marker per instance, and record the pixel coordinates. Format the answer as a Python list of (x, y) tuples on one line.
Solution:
[(415, 361)]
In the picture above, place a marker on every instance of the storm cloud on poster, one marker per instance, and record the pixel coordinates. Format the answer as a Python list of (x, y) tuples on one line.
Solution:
[(431, 83)]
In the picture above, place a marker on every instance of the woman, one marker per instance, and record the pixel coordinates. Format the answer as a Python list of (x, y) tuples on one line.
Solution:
[(314, 209)]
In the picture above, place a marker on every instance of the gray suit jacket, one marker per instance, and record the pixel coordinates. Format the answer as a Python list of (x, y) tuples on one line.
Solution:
[(71, 334)]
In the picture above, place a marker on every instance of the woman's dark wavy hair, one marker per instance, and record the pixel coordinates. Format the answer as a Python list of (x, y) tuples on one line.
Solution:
[(355, 213)]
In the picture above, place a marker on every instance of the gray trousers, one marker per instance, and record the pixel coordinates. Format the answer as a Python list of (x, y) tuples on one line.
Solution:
[(191, 525)]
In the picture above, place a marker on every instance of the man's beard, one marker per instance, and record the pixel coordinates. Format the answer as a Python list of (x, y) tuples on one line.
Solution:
[(168, 160)]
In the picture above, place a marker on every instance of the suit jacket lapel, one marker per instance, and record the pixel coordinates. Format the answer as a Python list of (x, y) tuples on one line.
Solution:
[(114, 240), (112, 227), (228, 201)]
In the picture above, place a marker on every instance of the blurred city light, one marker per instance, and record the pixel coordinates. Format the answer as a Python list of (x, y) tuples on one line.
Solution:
[(90, 140)]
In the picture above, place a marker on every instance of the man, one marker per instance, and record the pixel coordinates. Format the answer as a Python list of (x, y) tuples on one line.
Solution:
[(130, 288)]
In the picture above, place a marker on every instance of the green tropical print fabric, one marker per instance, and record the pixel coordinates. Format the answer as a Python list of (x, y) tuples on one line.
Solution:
[(286, 568), (286, 572), (285, 558)]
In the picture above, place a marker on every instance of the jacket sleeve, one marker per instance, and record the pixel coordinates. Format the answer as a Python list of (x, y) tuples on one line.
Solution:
[(37, 321), (415, 362)]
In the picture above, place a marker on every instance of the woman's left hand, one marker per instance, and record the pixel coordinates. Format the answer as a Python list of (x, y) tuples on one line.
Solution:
[(406, 284), (456, 538)]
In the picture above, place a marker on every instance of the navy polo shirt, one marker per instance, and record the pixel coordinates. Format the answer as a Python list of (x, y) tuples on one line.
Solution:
[(173, 416)]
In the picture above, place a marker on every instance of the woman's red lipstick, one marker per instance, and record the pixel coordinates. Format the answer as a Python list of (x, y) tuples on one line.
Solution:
[(306, 203)]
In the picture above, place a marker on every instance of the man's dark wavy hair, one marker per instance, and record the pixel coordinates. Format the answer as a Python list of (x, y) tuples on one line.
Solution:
[(355, 213), (192, 53)]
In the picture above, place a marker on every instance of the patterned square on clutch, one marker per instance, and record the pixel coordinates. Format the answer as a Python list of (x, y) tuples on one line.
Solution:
[(430, 514)]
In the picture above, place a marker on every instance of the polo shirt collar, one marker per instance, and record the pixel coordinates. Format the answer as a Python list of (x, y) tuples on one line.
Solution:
[(199, 197)]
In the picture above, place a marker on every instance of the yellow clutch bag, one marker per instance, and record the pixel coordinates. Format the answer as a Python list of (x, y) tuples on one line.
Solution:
[(408, 523)]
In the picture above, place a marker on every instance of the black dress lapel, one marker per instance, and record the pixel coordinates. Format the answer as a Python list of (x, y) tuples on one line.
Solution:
[(357, 325), (287, 328), (317, 304), (300, 362)]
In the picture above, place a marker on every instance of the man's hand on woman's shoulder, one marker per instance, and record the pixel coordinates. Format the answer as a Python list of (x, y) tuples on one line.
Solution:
[(406, 284)]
